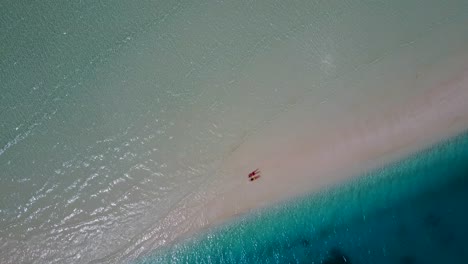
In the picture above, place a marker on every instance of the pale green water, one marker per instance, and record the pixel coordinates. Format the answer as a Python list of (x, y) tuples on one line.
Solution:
[(112, 112)]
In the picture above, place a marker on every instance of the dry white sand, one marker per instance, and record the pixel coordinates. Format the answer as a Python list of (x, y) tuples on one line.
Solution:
[(296, 156), (298, 161)]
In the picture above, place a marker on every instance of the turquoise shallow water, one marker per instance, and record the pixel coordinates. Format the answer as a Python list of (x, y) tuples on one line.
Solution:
[(413, 211)]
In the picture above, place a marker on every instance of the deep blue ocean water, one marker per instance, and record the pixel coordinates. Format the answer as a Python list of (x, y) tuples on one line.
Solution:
[(412, 211)]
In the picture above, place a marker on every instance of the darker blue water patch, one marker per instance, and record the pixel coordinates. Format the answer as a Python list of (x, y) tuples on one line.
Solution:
[(413, 211)]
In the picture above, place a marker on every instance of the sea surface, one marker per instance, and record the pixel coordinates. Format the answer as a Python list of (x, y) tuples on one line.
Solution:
[(412, 211), (113, 112)]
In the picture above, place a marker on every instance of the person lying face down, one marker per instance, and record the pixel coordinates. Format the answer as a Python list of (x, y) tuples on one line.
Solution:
[(254, 175)]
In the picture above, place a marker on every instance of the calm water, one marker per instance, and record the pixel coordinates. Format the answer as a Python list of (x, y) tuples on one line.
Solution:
[(112, 112), (413, 211)]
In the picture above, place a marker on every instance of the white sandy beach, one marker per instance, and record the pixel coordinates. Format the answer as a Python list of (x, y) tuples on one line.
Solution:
[(296, 156), (300, 163), (304, 161)]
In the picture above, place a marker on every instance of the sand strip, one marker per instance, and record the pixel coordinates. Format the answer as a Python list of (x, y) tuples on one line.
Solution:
[(301, 164)]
